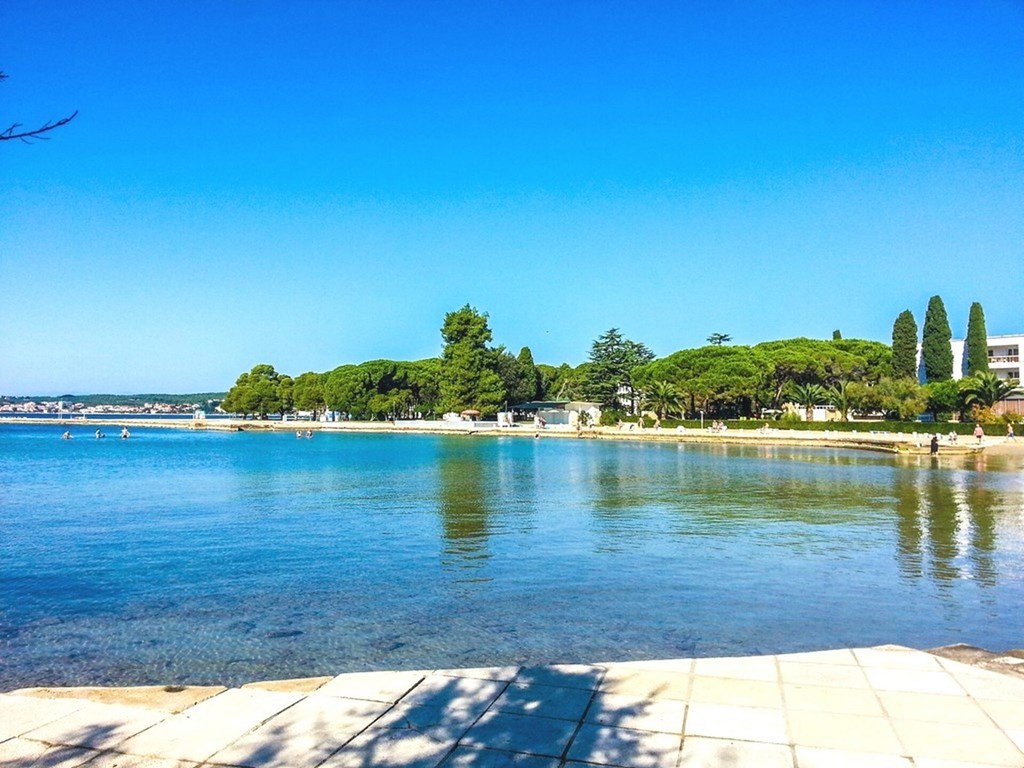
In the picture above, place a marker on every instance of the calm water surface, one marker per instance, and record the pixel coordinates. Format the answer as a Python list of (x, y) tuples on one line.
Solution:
[(213, 557)]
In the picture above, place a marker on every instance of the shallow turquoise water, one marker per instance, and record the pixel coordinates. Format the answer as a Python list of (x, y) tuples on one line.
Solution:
[(222, 557)]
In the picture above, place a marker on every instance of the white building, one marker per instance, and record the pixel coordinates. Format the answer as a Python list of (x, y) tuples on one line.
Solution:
[(1003, 357), (1003, 360)]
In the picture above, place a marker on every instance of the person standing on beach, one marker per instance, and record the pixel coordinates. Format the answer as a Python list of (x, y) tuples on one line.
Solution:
[(1009, 433), (935, 445), (979, 433)]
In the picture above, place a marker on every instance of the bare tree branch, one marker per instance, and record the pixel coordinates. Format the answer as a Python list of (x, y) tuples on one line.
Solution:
[(13, 133), (27, 136)]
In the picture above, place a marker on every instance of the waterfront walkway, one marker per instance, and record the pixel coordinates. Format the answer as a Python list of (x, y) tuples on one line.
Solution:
[(887, 707)]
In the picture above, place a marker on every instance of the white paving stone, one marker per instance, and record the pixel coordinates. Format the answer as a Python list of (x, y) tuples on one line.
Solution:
[(519, 733), (502, 674), (983, 684), (373, 686), (722, 721), (682, 666), (647, 683), (23, 753), (637, 713), (303, 735), (384, 748), (116, 760), (723, 753), (833, 675), (467, 757), (913, 681), (456, 693), (817, 757), (624, 747), (544, 701), (950, 741), (439, 723), (209, 726), (97, 726), (843, 656), (896, 657), (21, 714), (744, 668), (585, 676), (1017, 737)]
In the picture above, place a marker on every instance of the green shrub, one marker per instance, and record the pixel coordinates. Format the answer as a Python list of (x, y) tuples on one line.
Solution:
[(611, 417)]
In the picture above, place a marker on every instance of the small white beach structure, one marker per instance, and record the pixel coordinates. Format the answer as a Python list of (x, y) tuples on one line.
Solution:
[(564, 412)]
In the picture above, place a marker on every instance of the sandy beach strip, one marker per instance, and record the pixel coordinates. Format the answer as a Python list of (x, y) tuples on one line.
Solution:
[(889, 442)]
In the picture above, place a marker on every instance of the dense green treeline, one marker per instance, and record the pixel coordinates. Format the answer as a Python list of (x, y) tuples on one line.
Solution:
[(470, 375), (854, 376), (743, 381)]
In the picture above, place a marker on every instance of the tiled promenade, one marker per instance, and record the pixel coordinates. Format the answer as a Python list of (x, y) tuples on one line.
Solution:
[(864, 708)]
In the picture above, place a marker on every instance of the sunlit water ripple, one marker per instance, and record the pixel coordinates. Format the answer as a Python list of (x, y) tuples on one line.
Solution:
[(200, 557)]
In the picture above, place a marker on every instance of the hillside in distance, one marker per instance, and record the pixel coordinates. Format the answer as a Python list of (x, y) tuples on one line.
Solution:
[(132, 400)]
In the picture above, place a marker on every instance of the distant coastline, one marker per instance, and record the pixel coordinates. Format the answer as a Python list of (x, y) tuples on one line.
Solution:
[(110, 404)]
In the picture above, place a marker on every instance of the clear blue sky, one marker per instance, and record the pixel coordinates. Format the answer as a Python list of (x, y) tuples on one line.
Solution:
[(315, 183)]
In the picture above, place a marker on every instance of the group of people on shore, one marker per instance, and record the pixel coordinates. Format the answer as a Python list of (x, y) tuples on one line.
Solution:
[(979, 435)]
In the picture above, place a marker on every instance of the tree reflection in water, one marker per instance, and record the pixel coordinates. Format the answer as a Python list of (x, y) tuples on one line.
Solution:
[(465, 489), (956, 512)]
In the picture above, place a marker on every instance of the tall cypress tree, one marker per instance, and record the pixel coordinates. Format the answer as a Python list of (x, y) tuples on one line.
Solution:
[(904, 346), (936, 352), (976, 347)]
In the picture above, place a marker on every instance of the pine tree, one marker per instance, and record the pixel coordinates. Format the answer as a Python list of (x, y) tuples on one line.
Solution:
[(936, 352), (904, 346), (612, 359), (529, 376), (976, 346), (469, 378)]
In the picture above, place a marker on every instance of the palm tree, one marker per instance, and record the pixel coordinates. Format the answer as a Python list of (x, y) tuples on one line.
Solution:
[(662, 397), (985, 388), (807, 395), (836, 395)]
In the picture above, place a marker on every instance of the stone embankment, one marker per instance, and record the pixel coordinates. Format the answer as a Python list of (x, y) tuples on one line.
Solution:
[(883, 706)]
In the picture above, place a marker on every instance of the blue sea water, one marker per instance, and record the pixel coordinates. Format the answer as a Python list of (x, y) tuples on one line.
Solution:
[(212, 557)]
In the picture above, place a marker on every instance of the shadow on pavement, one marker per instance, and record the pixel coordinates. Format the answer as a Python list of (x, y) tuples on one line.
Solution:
[(534, 718)]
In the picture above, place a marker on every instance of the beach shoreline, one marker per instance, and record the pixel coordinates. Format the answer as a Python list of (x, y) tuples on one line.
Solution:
[(886, 442)]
